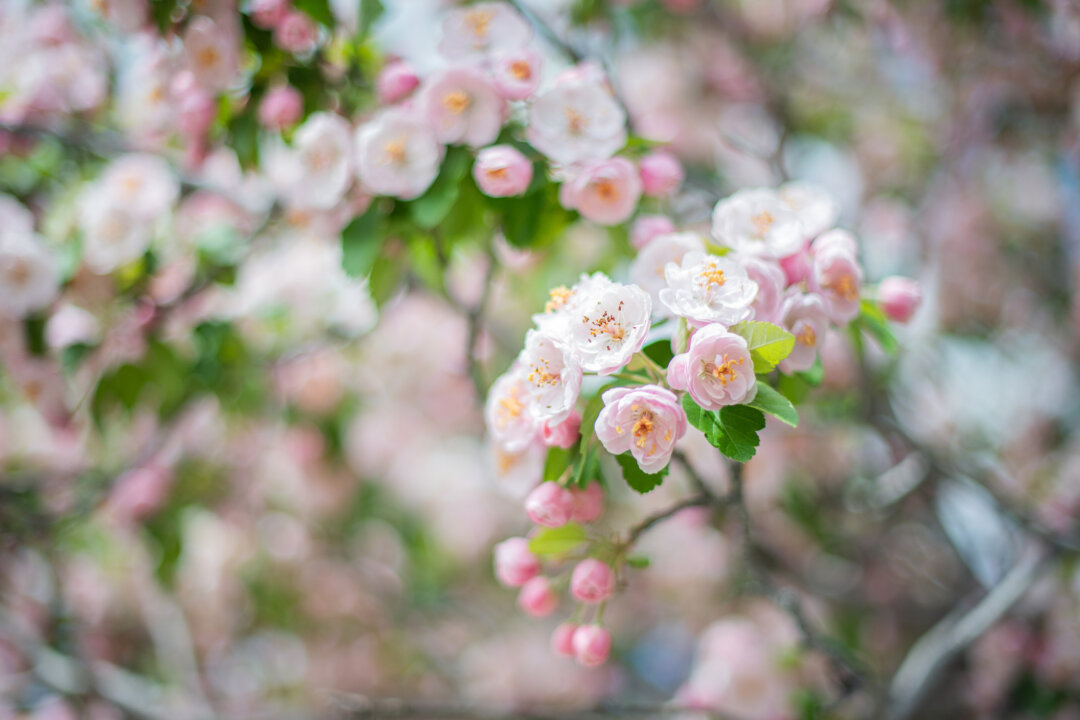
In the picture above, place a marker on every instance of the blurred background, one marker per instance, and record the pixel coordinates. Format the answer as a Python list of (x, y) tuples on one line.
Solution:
[(262, 488)]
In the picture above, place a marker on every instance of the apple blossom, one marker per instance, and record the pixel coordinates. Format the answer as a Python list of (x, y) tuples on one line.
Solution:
[(758, 222), (395, 82), (142, 184), (646, 420), (515, 564), (564, 434), (648, 227), (212, 53), (771, 281), (475, 32), (502, 171), (899, 297), (517, 73), (268, 14), (647, 270), (836, 274), (592, 645), (716, 369), (607, 323), (15, 219), (281, 107), (397, 155), (296, 33), (462, 106), (316, 172), (509, 418), (549, 505), (537, 597), (562, 639), (576, 121), (708, 288), (661, 174), (112, 234), (588, 503), (553, 376), (804, 317), (605, 192), (592, 581), (815, 207), (29, 278)]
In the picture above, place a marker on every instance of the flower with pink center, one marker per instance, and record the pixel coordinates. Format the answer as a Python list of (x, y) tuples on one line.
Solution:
[(538, 598), (29, 277), (577, 120), (562, 640), (592, 645), (815, 207), (836, 274), (661, 174), (395, 82), (592, 581), (553, 377), (899, 297), (647, 270), (804, 317), (708, 288), (607, 325), (509, 420), (281, 107), (716, 369), (397, 155), (515, 564), (758, 222), (649, 227), (646, 420), (517, 73), (796, 266), (564, 434), (605, 192), (549, 505), (588, 503), (771, 282), (502, 171), (462, 106), (212, 53), (475, 32), (296, 33)]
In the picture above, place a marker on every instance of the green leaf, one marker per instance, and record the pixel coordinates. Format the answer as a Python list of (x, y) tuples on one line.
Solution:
[(585, 466), (768, 343), (558, 460), (638, 479), (638, 561), (772, 402), (872, 320), (702, 419), (361, 241), (659, 352), (370, 11), (736, 434), (318, 10), (557, 541), (815, 374), (432, 207)]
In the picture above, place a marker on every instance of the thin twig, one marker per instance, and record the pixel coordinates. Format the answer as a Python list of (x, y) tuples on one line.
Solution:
[(638, 530)]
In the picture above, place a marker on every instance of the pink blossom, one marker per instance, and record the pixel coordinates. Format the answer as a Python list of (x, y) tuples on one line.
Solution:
[(462, 106), (395, 82), (212, 53), (537, 597), (296, 33), (604, 324), (771, 281), (562, 640), (564, 434), (29, 275), (69, 325), (804, 317), (139, 493), (647, 227), (661, 174), (605, 192), (318, 169), (502, 171), (592, 645), (577, 120), (717, 369), (796, 266), (195, 106), (588, 503), (899, 297), (836, 274), (757, 222), (515, 564), (592, 581), (517, 73), (268, 14), (549, 505), (708, 288), (281, 107), (397, 155), (646, 420), (475, 32)]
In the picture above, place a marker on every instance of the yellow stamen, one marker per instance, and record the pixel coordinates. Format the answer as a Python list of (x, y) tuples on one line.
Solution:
[(725, 371), (541, 376), (521, 70), (17, 273), (575, 121), (643, 428), (606, 324), (712, 275), (762, 221), (559, 296), (457, 101), (844, 286), (479, 22), (807, 336), (394, 152), (607, 190)]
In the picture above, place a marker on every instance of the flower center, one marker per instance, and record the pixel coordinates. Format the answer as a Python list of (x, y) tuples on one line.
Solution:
[(457, 101), (606, 190), (712, 275), (844, 286), (575, 121), (541, 374), (762, 221), (606, 324), (207, 57), (725, 371), (643, 427), (559, 296), (807, 336), (479, 22), (498, 173), (521, 70), (394, 152), (17, 273), (319, 159), (510, 408)]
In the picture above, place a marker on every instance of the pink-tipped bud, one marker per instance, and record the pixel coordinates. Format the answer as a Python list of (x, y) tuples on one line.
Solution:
[(281, 107), (899, 297), (537, 597), (502, 171), (564, 435), (562, 640), (515, 564), (296, 33), (797, 267), (268, 14), (661, 174), (593, 581), (395, 82), (592, 645), (549, 505), (648, 227), (588, 503)]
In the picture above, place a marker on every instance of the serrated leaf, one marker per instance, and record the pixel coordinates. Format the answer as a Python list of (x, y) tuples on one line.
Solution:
[(557, 541), (361, 241), (433, 206), (768, 343), (698, 417), (638, 479), (736, 433), (770, 401)]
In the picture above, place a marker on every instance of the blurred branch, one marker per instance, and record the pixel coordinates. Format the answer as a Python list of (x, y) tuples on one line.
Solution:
[(645, 525), (357, 707)]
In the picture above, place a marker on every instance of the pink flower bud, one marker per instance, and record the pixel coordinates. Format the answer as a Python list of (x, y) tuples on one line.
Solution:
[(502, 171), (605, 192), (592, 645), (517, 74), (549, 505), (562, 435), (588, 503), (296, 33), (395, 81), (661, 174), (593, 581), (268, 14), (796, 266), (562, 640), (537, 597), (648, 227), (899, 297), (515, 564), (281, 107)]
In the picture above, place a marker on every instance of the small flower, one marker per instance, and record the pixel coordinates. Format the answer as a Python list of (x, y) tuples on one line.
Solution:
[(475, 32), (649, 227), (502, 171), (899, 297), (605, 192), (562, 640), (322, 157), (509, 419), (758, 222), (296, 33), (646, 420), (537, 597), (717, 369), (462, 106), (517, 73), (577, 120), (804, 317), (661, 174), (708, 288), (647, 270), (607, 323), (29, 279), (212, 53), (553, 377), (564, 434), (515, 564), (281, 107), (395, 82), (397, 155), (549, 505), (592, 581), (143, 184), (836, 274), (588, 503), (112, 235), (592, 645)]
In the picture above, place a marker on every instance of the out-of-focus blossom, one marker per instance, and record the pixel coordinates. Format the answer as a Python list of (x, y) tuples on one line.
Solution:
[(517, 73), (538, 598), (562, 639), (588, 503), (646, 420), (29, 277), (395, 82), (514, 562), (462, 106), (212, 53), (502, 171), (549, 505), (296, 33), (647, 227), (577, 120), (592, 645), (592, 581), (605, 192), (397, 155), (758, 222), (661, 174), (648, 268), (475, 32), (281, 107), (899, 297), (316, 172)]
